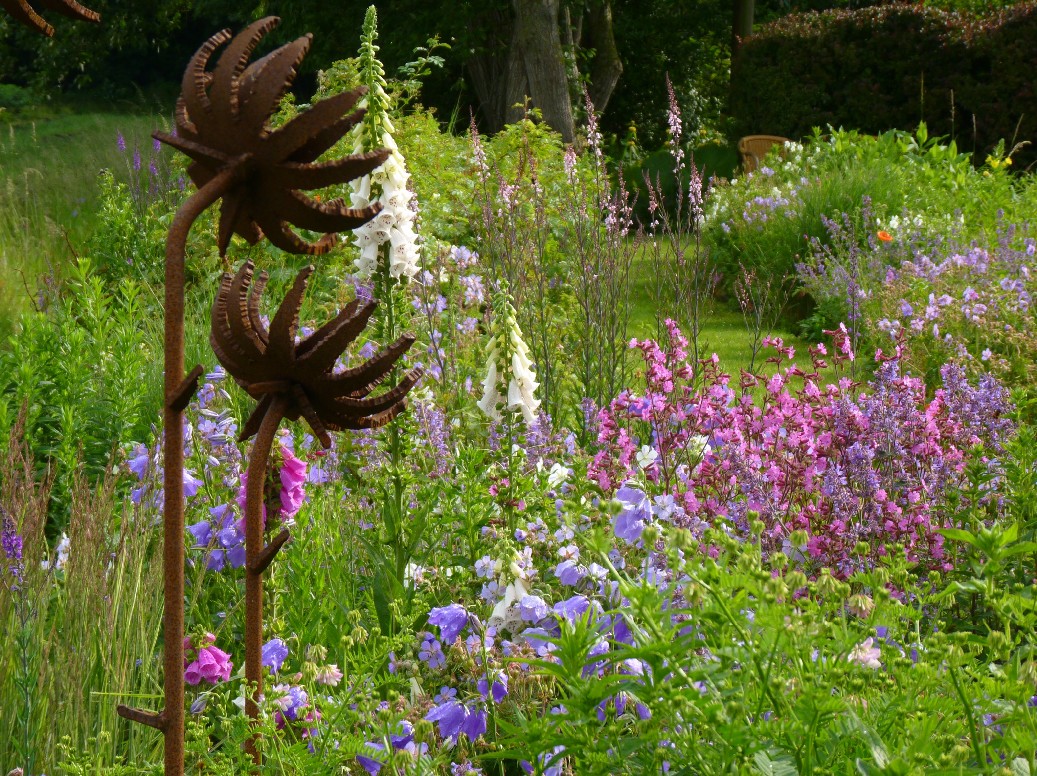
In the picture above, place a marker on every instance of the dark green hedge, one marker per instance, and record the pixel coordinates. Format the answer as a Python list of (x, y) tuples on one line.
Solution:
[(889, 67)]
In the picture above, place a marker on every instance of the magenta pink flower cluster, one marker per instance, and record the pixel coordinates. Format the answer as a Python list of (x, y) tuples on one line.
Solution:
[(841, 463), (288, 488), (206, 662)]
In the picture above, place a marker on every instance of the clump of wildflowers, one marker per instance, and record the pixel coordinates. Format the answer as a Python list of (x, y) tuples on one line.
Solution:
[(840, 465)]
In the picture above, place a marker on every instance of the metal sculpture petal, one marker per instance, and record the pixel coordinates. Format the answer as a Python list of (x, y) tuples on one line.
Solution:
[(222, 120), (268, 362), (24, 13)]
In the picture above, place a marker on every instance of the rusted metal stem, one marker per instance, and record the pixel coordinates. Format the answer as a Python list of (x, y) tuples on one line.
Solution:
[(173, 465), (254, 551)]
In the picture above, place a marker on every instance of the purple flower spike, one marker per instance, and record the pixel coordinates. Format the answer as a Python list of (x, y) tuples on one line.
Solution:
[(498, 690), (139, 460), (216, 561), (202, 533), (474, 724), (274, 653), (368, 764), (451, 620), (402, 739), (191, 484), (236, 556), (572, 608)]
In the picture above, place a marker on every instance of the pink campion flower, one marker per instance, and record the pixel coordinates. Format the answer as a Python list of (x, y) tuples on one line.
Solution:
[(866, 654)]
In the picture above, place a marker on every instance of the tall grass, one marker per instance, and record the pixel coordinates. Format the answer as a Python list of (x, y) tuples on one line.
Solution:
[(94, 628)]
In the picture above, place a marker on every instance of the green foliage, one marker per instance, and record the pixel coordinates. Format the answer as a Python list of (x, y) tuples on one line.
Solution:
[(104, 578), (690, 42), (49, 164), (13, 97), (891, 66), (87, 372), (767, 220), (785, 689)]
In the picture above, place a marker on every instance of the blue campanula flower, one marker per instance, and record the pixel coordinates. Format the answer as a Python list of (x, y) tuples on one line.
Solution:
[(498, 689)]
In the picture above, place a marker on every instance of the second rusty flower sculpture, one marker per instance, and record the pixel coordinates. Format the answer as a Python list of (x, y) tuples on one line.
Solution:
[(222, 124), (292, 379)]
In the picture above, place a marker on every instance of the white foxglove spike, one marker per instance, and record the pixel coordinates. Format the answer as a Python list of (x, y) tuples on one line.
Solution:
[(509, 371), (386, 185)]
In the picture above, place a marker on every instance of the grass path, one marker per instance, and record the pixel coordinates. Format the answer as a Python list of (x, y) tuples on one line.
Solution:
[(48, 190)]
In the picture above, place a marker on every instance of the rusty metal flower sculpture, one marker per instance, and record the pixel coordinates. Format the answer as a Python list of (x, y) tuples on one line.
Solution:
[(259, 172), (293, 379), (221, 123), (24, 13)]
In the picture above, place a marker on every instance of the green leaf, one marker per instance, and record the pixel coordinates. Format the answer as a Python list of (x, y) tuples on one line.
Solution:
[(958, 535), (776, 765), (1019, 767)]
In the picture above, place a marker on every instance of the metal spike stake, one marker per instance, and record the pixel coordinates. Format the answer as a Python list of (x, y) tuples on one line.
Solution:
[(21, 11)]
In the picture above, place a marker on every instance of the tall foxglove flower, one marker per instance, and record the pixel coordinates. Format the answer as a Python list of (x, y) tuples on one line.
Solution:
[(508, 366), (387, 185)]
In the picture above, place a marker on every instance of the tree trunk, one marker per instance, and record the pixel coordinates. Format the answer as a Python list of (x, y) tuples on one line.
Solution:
[(606, 68), (522, 56), (488, 68), (536, 66), (742, 26)]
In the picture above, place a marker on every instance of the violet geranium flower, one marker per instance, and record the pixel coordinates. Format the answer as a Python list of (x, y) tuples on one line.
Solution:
[(274, 653), (635, 513), (451, 620)]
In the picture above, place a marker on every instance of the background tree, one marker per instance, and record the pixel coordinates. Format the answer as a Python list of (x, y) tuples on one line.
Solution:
[(501, 52)]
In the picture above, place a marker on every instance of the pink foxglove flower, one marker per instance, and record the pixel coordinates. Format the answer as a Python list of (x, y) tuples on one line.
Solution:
[(209, 664), (292, 478)]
